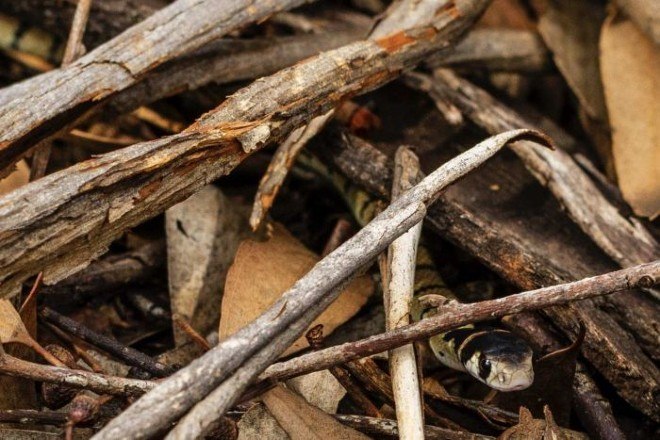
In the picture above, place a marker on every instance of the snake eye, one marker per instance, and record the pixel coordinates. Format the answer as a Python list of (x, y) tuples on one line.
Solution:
[(484, 364)]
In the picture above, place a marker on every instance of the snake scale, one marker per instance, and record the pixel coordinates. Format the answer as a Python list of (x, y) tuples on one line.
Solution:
[(494, 356)]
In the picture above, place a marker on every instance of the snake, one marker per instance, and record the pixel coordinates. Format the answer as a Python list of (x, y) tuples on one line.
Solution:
[(494, 356)]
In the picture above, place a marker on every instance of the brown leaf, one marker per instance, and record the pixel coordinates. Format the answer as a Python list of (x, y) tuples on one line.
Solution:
[(262, 271), (257, 422), (630, 65), (304, 421), (12, 329), (17, 178), (574, 45), (203, 234), (529, 428), (11, 325)]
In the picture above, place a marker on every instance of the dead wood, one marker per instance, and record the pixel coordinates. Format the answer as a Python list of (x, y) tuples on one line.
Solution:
[(258, 344), (106, 276), (387, 427), (67, 93), (110, 345), (622, 238), (109, 194), (98, 383), (517, 248)]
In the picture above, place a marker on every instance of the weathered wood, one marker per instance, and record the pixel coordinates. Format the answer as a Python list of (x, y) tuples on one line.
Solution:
[(98, 383), (398, 288), (40, 106), (109, 194), (259, 343), (232, 60), (531, 246), (623, 238), (389, 428)]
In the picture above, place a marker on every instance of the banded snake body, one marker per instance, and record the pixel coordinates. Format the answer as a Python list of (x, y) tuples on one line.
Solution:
[(494, 356)]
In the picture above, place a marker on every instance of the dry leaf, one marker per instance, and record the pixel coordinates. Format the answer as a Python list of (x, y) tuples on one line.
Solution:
[(12, 329), (574, 45), (263, 271), (529, 428), (257, 422), (304, 421), (319, 388), (17, 178), (203, 234), (630, 65), (11, 325)]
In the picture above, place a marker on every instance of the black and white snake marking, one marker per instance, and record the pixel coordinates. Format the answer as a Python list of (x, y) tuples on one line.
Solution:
[(496, 357)]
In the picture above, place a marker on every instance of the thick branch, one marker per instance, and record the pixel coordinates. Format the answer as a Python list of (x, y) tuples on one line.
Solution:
[(64, 220), (456, 315), (622, 238), (65, 94)]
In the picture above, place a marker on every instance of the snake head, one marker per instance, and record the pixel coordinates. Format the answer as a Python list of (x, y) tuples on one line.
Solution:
[(499, 359)]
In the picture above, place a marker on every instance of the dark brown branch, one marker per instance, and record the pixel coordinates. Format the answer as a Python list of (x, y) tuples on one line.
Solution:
[(106, 276), (67, 93), (455, 315), (110, 345)]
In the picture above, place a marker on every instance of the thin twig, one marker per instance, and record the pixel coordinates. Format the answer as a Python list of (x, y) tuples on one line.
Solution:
[(72, 51), (193, 334), (112, 346), (99, 383), (455, 315), (400, 269), (389, 428)]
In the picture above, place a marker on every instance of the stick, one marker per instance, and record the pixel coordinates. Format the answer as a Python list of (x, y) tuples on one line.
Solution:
[(112, 346), (67, 93), (401, 260), (315, 290), (456, 315), (623, 238), (72, 50), (99, 383), (109, 194), (405, 14), (315, 338), (389, 428)]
